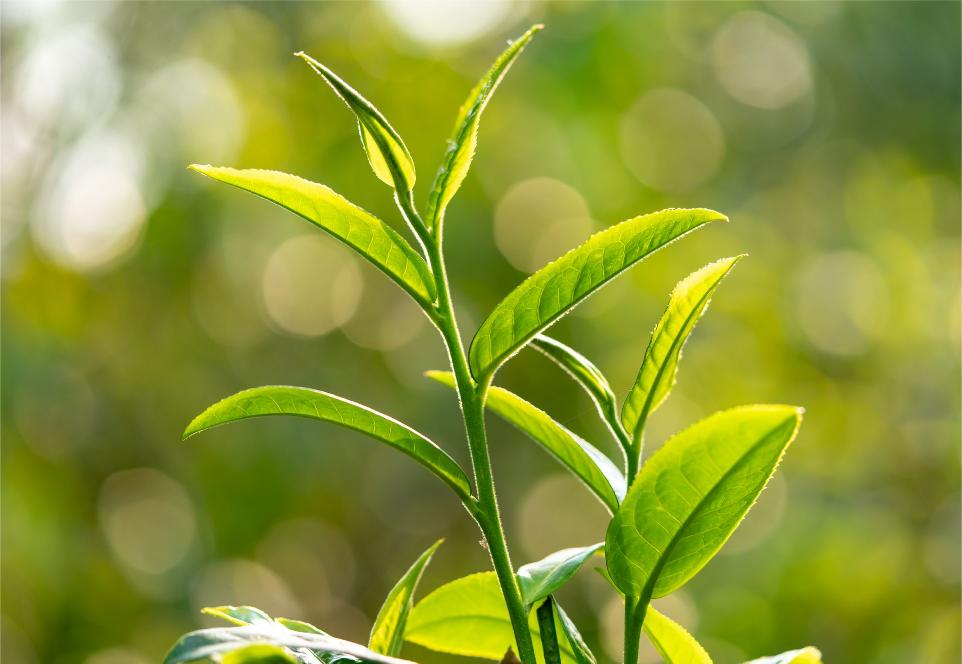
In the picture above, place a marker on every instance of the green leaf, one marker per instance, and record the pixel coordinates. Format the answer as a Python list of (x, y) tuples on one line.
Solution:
[(386, 152), (542, 578), (692, 494), (299, 626), (688, 301), (314, 404), (808, 655), (387, 634), (552, 291), (585, 373), (259, 653), (457, 159), (468, 617), (239, 615), (582, 653), (672, 641), (585, 461), (215, 643), (377, 242)]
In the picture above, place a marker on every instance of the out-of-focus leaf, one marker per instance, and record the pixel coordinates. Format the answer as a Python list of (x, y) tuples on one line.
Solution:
[(387, 634), (212, 643), (543, 577), (672, 641), (468, 617), (585, 373), (807, 655), (239, 615), (692, 494), (386, 152), (582, 653), (314, 404), (464, 140), (552, 291), (585, 461), (369, 236), (688, 301), (299, 626), (259, 653)]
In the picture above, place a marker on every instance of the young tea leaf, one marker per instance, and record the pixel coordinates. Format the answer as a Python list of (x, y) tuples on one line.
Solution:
[(299, 626), (808, 655), (582, 653), (585, 461), (688, 301), (314, 404), (586, 374), (386, 152), (672, 641), (691, 495), (260, 653), (387, 634), (468, 617), (369, 236), (239, 615), (215, 643), (542, 578), (464, 140), (553, 290)]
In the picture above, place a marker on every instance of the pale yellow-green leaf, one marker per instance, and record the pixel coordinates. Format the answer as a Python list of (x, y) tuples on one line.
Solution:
[(369, 236), (807, 655), (672, 641), (552, 291)]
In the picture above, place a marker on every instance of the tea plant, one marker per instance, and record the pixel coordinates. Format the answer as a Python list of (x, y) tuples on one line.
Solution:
[(670, 515)]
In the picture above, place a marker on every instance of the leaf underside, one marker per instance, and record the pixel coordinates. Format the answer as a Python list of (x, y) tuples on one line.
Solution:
[(692, 494), (543, 577), (553, 290), (581, 458), (370, 237), (317, 405)]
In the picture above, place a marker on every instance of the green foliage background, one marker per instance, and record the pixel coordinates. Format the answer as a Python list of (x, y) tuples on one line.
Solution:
[(136, 293)]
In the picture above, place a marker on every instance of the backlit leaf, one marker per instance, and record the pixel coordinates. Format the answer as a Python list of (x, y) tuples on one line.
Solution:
[(688, 301), (369, 236), (387, 634), (239, 615), (582, 653), (314, 404), (808, 655), (584, 372), (672, 641), (259, 653), (543, 577), (386, 152), (585, 461), (464, 140), (692, 494), (468, 617), (215, 643), (552, 291)]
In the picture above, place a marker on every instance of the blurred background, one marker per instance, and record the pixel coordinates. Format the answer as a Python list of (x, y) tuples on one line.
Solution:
[(136, 293)]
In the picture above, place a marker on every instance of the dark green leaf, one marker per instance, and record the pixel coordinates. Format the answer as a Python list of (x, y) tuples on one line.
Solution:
[(585, 461), (369, 236), (387, 634), (386, 152), (688, 301), (542, 578), (314, 404), (692, 494), (464, 140), (553, 290)]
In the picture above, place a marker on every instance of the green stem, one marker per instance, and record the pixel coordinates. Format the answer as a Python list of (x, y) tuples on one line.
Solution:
[(635, 610), (471, 395), (549, 636)]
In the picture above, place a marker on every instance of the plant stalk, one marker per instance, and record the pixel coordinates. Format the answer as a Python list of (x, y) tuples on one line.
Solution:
[(635, 610), (471, 395), (549, 636)]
